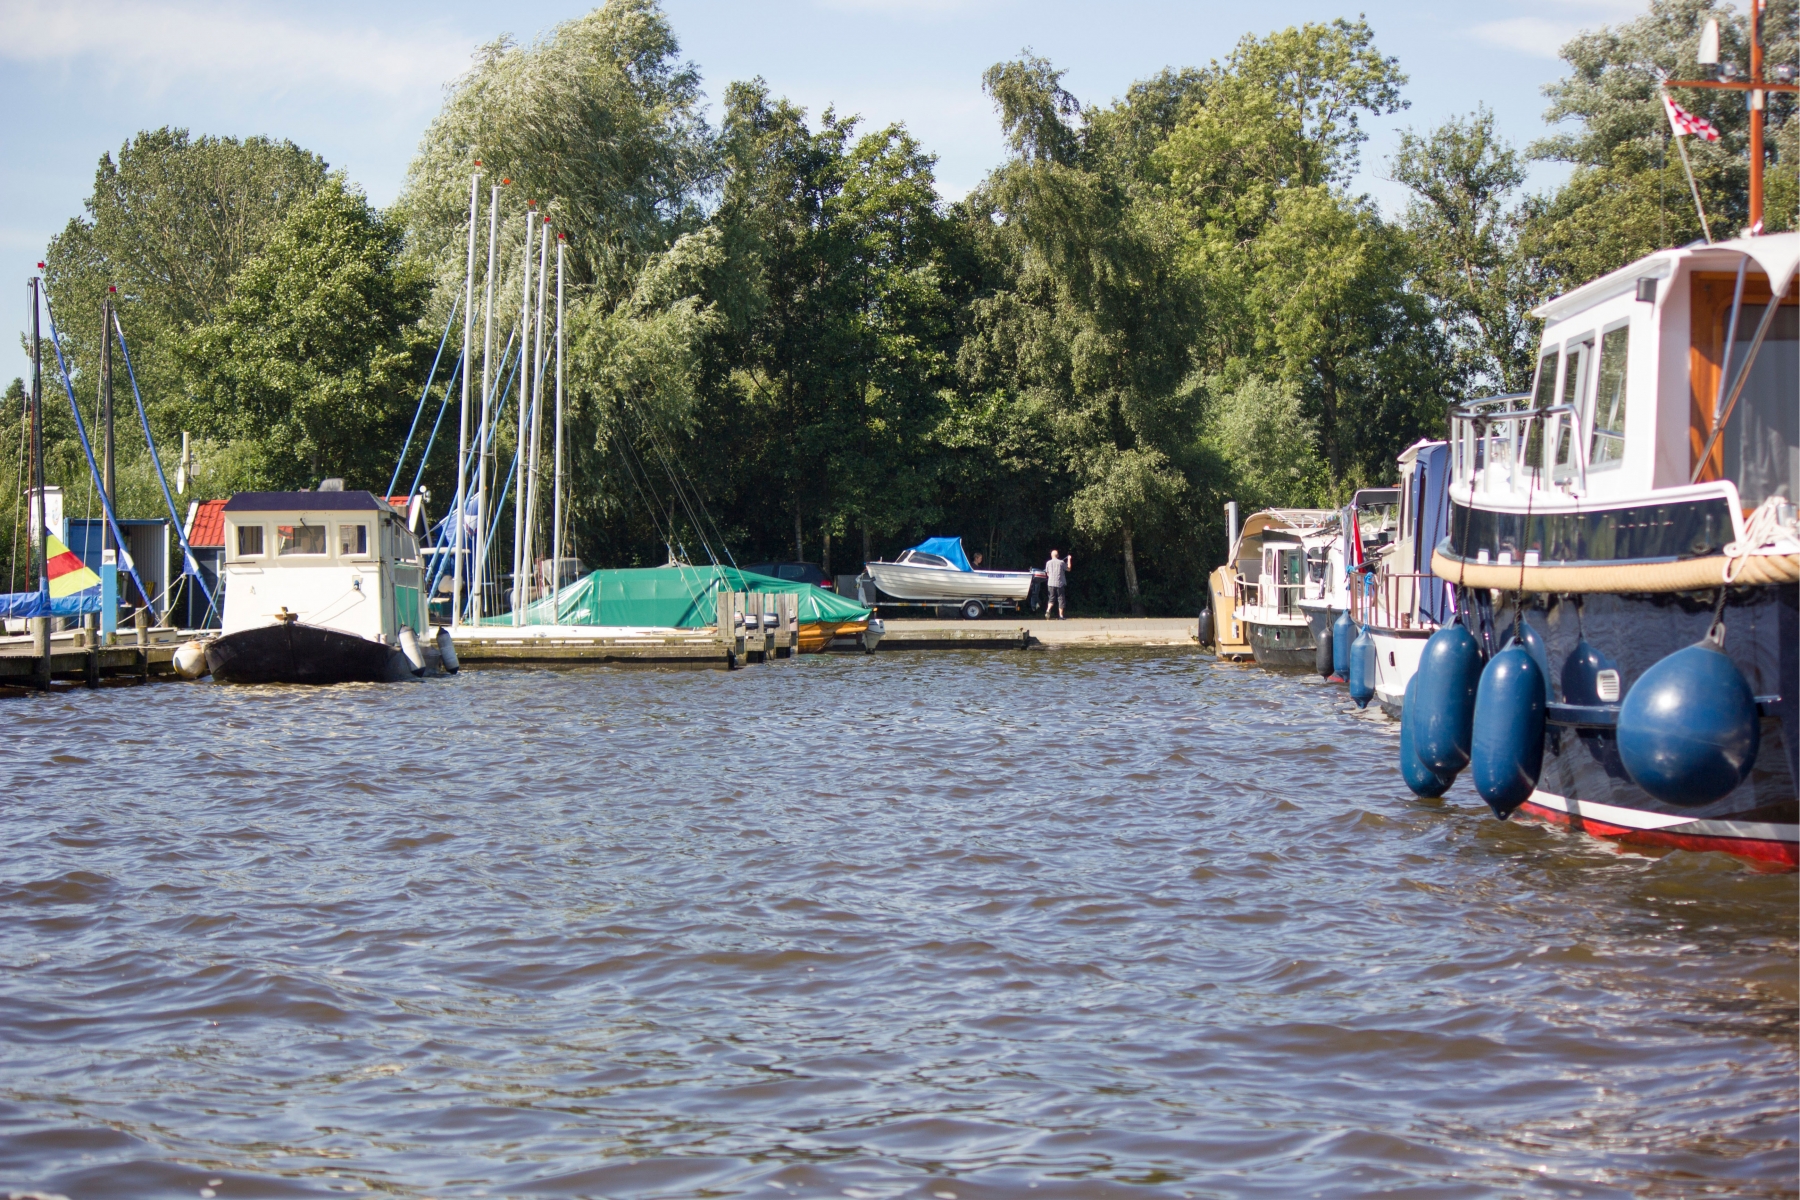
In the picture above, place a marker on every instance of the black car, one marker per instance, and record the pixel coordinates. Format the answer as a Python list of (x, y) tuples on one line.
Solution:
[(799, 572)]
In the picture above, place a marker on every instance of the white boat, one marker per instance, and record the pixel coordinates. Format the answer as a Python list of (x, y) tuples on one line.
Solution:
[(938, 572), (1281, 558), (1395, 596), (1368, 523), (320, 587)]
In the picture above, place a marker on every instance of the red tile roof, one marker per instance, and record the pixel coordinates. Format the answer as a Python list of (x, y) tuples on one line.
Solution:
[(208, 526)]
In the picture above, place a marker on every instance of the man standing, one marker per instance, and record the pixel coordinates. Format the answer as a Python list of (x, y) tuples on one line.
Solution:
[(1056, 573)]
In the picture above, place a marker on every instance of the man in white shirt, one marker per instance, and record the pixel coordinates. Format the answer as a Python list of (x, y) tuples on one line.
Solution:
[(1056, 573)]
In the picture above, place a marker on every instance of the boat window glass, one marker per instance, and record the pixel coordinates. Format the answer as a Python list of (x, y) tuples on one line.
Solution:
[(1574, 392), (926, 560), (299, 539), (1606, 447), (353, 540), (249, 541), (1760, 447), (1544, 394)]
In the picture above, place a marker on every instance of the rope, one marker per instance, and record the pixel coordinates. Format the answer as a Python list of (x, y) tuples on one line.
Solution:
[(80, 429), (1763, 534), (188, 565), (419, 410)]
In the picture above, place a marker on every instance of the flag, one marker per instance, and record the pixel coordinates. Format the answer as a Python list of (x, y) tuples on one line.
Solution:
[(65, 570), (1685, 122)]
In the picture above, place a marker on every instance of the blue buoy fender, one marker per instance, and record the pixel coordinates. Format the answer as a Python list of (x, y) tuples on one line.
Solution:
[(1420, 778), (1585, 679), (1322, 656), (1689, 729), (1506, 750), (1362, 668), (1534, 643), (1343, 632), (1449, 672)]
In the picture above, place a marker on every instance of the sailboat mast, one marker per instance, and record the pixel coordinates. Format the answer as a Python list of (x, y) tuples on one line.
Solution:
[(556, 518), (106, 415), (462, 433), (487, 395), (537, 406), (38, 517), (518, 581)]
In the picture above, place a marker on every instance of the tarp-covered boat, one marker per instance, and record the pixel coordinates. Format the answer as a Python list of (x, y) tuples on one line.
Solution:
[(681, 597)]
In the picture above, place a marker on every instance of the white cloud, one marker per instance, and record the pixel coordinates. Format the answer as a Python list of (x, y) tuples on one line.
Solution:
[(162, 44), (1545, 36)]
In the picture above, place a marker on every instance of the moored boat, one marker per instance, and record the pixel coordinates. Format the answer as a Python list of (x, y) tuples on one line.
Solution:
[(320, 587), (1394, 595), (1629, 526), (1281, 558)]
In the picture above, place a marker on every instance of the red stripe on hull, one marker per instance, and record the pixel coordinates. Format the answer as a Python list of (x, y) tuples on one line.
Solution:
[(1762, 852)]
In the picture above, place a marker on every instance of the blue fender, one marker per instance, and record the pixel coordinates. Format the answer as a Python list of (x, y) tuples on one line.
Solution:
[(1343, 632), (1581, 674), (1506, 751), (1420, 778), (1448, 675), (1362, 668), (1534, 644), (1322, 655), (1688, 729)]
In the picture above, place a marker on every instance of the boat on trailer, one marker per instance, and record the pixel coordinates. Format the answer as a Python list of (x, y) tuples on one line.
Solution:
[(1636, 511), (938, 572), (320, 587)]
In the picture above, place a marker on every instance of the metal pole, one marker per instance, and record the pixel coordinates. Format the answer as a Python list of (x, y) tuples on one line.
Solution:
[(556, 519), (1756, 117), (518, 580), (537, 414), (1231, 526), (107, 474), (487, 392), (462, 435), (40, 626)]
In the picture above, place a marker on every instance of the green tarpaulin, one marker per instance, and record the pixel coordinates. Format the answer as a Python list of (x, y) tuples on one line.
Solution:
[(671, 597)]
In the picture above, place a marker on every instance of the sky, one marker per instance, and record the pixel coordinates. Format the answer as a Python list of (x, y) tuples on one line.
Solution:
[(359, 82)]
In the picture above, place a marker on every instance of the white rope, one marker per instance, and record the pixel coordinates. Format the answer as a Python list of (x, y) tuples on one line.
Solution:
[(1765, 533)]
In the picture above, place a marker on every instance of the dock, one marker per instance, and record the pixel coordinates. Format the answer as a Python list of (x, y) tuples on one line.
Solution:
[(76, 663), (908, 633)]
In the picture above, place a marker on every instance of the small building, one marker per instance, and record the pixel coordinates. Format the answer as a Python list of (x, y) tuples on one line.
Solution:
[(146, 544), (205, 533)]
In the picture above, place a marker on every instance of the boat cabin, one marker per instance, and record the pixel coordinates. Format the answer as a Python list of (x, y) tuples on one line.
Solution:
[(1641, 401), (1283, 556), (336, 560)]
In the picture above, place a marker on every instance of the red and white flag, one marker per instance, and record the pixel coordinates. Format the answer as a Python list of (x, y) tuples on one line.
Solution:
[(1685, 122)]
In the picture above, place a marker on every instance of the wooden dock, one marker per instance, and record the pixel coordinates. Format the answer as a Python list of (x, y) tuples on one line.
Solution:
[(751, 627), (906, 633), (76, 663)]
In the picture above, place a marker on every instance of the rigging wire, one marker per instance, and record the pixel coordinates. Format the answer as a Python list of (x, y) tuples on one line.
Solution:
[(419, 409), (12, 579)]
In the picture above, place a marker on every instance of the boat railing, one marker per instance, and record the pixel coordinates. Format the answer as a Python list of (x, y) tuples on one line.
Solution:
[(1504, 449), (1389, 600)]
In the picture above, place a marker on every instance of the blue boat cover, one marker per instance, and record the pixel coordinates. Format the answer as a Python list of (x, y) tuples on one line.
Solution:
[(1432, 504), (19, 605), (950, 548)]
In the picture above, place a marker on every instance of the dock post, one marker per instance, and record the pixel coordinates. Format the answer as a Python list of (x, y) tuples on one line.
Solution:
[(792, 625), (40, 649), (141, 620), (90, 634)]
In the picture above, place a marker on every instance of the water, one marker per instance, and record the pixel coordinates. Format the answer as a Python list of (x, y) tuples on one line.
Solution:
[(1068, 924)]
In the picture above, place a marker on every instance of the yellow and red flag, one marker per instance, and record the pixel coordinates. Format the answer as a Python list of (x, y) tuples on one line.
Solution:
[(65, 570)]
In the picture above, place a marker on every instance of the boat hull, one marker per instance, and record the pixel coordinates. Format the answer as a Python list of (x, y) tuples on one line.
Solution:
[(1282, 646), (297, 653), (1583, 784), (905, 581), (1397, 653)]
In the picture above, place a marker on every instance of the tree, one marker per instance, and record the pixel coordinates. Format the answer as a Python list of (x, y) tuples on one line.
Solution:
[(314, 357), (170, 223), (1465, 244)]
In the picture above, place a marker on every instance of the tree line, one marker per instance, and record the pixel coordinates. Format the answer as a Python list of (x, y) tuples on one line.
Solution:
[(1155, 304)]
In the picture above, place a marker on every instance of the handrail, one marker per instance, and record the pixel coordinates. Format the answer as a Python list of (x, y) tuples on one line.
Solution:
[(1477, 421)]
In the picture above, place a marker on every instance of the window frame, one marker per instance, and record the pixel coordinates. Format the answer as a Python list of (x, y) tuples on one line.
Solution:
[(262, 541), (361, 550), (324, 538), (1591, 413)]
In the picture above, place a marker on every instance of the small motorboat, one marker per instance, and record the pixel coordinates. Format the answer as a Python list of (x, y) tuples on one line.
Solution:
[(320, 587), (937, 571), (1280, 559)]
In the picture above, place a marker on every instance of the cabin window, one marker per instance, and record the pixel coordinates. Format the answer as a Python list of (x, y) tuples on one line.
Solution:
[(299, 539), (1576, 358), (249, 541), (353, 540), (1542, 396), (1607, 445)]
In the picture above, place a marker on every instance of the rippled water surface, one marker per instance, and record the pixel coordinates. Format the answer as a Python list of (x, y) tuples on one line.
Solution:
[(1058, 924)]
